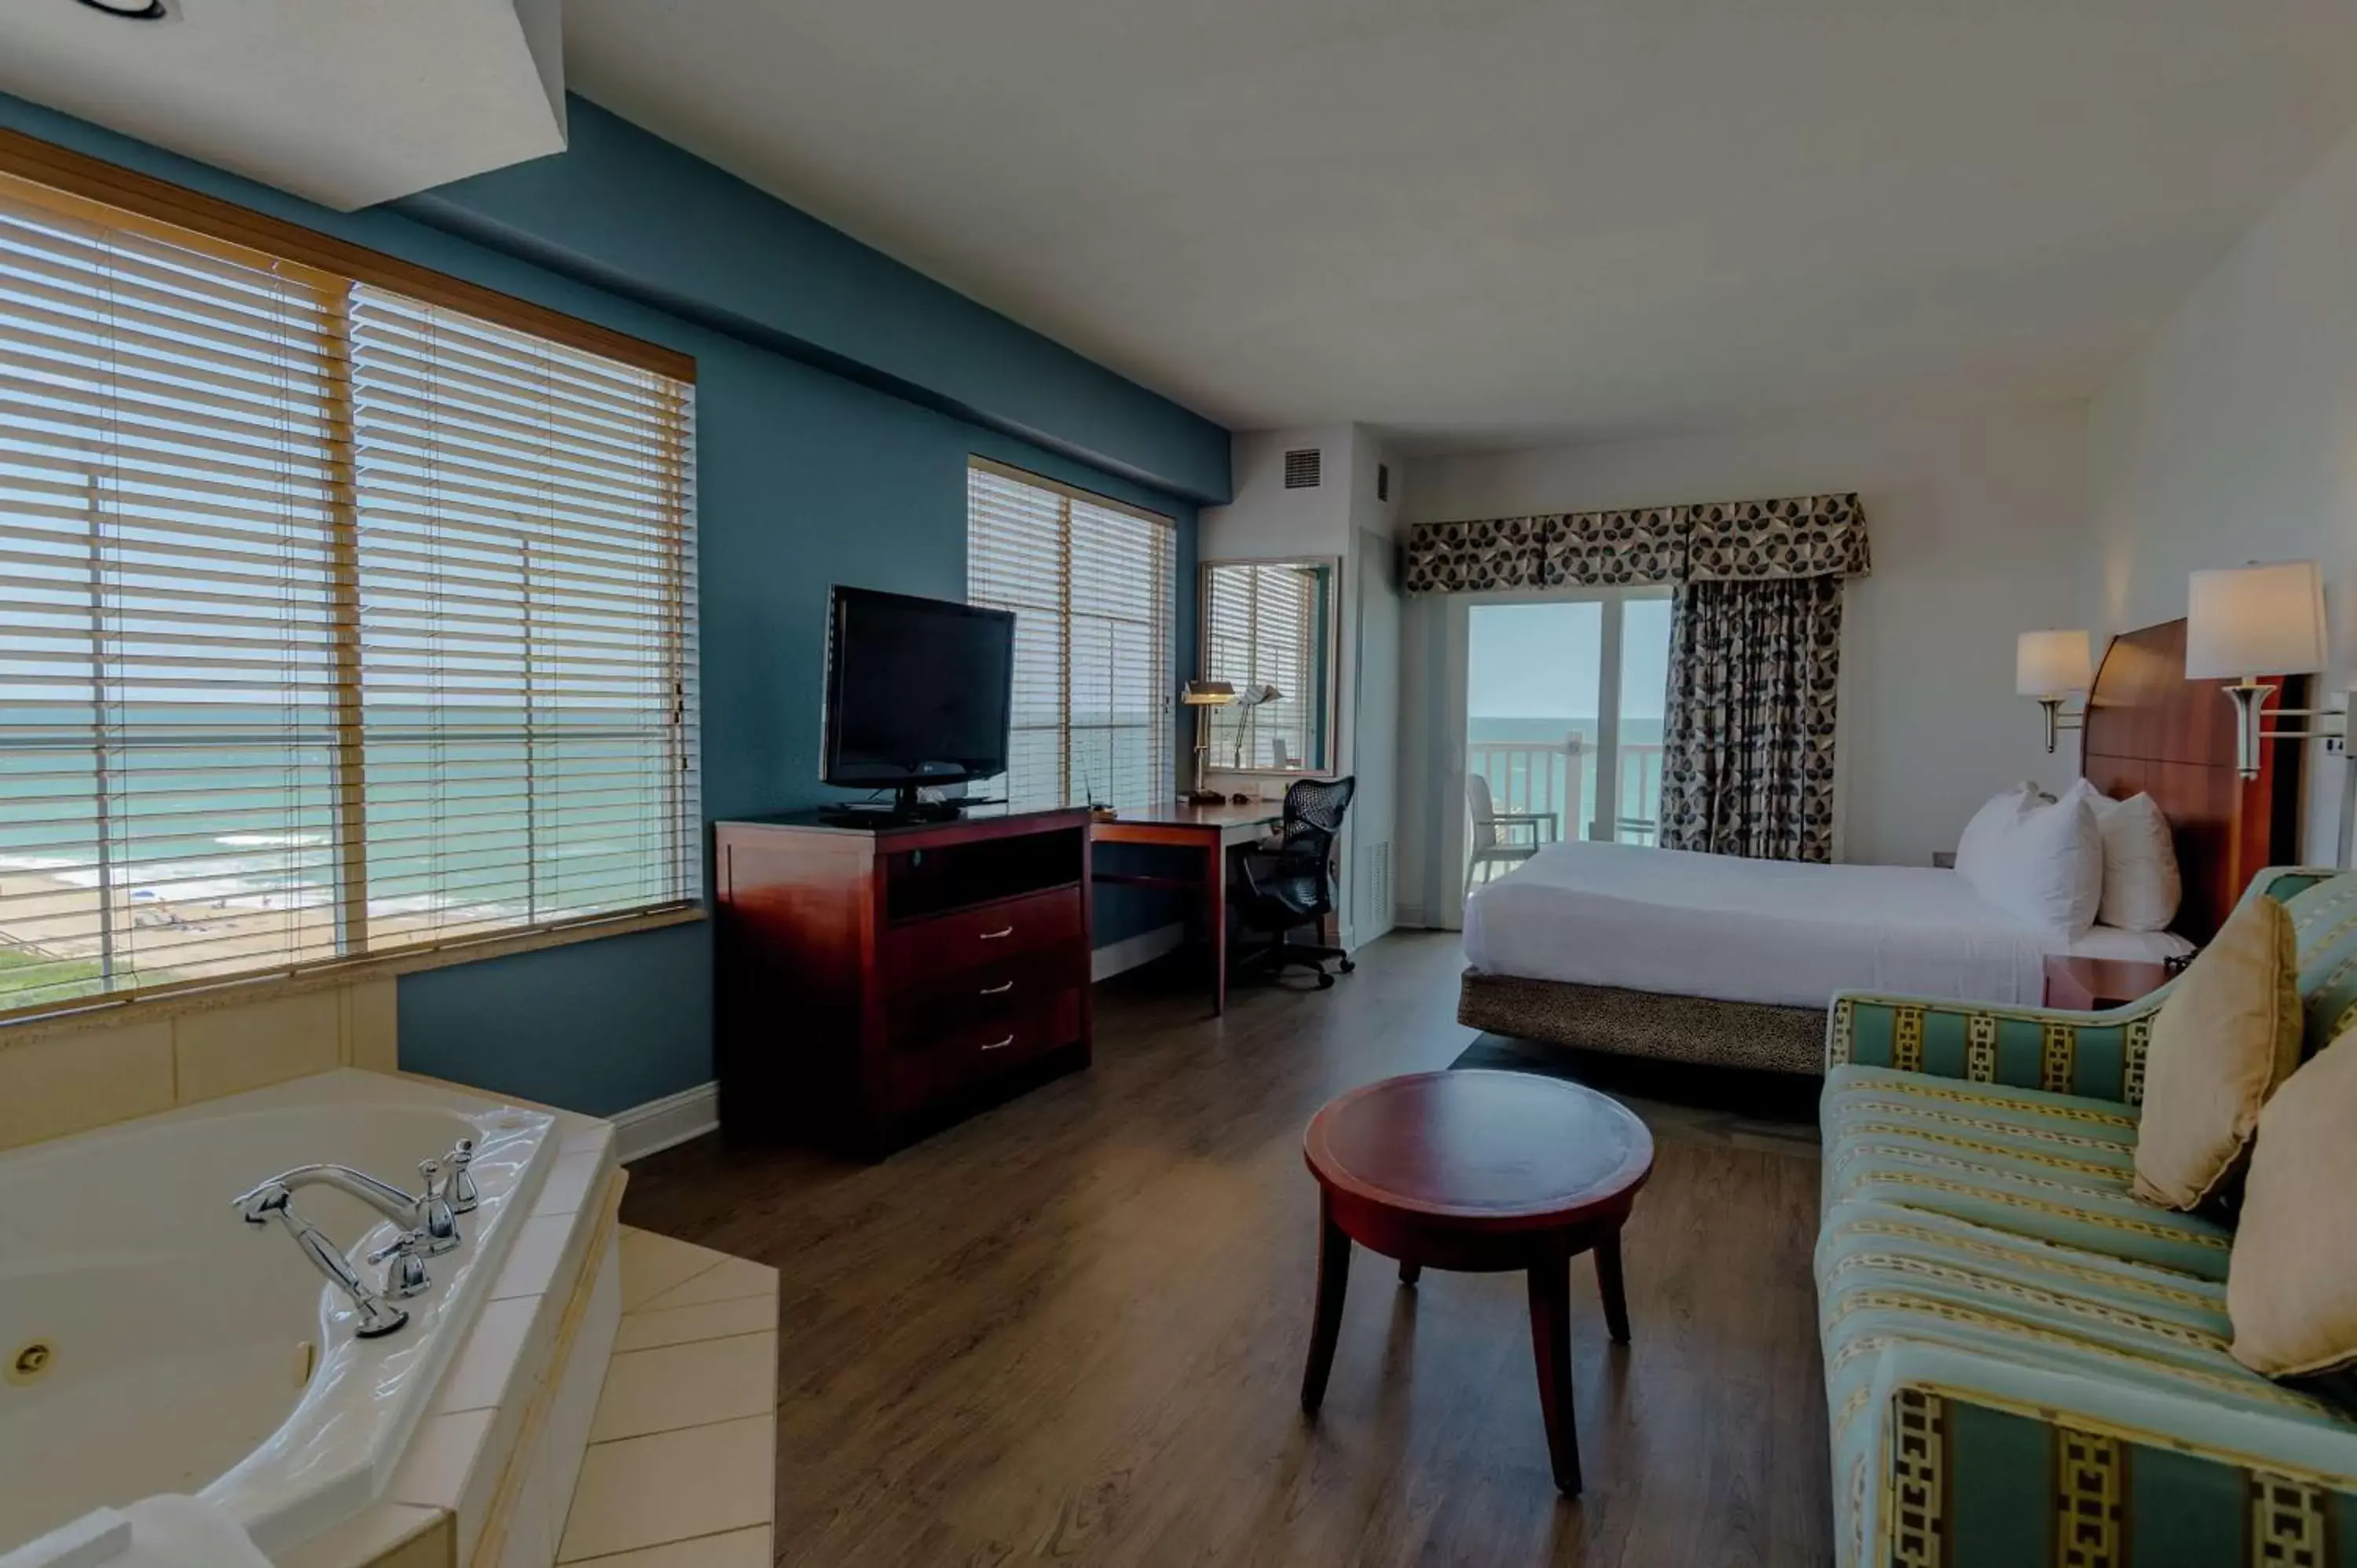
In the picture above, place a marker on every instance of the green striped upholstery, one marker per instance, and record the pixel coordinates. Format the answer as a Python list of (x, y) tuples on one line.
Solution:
[(2098, 1056), (2045, 1165), (2024, 1367), (2011, 1340)]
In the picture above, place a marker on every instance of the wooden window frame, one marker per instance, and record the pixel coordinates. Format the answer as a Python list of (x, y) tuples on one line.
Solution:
[(77, 186), (259, 238)]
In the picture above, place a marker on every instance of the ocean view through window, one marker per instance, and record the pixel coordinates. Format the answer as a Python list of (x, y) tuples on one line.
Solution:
[(337, 622), (1563, 703)]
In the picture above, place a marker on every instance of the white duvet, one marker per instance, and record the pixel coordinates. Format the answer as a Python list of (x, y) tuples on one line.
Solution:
[(1764, 930)]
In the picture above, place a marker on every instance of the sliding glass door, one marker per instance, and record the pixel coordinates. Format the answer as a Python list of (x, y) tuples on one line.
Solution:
[(1559, 703)]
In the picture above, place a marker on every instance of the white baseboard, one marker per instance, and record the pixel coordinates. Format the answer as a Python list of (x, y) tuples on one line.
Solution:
[(1411, 915), (1130, 952), (659, 1123)]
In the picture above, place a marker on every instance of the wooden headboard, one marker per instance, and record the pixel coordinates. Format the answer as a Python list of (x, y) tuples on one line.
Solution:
[(2151, 729)]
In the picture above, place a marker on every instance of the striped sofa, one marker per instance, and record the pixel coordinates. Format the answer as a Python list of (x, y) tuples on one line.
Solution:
[(2025, 1365)]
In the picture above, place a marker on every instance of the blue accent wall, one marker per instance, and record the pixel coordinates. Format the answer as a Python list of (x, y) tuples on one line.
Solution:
[(632, 213), (805, 478)]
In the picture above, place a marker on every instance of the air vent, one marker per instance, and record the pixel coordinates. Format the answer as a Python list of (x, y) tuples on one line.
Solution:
[(1382, 481), (1304, 470)]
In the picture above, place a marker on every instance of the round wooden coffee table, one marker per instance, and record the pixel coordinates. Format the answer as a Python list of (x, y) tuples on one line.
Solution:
[(1481, 1172)]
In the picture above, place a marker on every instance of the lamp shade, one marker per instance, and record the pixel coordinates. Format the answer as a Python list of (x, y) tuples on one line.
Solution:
[(1207, 693), (2254, 620), (2048, 663)]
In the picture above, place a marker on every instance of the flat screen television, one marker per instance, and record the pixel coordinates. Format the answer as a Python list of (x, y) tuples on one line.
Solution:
[(919, 692)]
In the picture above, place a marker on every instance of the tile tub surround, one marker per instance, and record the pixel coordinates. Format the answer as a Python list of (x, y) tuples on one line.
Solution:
[(653, 1452), (681, 1466), (78, 1072)]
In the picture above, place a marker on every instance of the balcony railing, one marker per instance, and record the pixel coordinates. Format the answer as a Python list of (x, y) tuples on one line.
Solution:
[(1554, 778)]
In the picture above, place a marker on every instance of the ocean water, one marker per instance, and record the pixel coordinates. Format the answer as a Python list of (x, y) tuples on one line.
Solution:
[(468, 828), (1535, 777)]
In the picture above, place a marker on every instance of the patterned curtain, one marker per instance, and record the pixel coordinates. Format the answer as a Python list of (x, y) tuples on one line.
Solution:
[(1747, 750)]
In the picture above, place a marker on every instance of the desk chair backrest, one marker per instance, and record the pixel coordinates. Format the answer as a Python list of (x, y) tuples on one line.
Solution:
[(1304, 845)]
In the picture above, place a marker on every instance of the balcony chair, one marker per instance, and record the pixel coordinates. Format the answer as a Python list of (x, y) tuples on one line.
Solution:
[(1497, 835)]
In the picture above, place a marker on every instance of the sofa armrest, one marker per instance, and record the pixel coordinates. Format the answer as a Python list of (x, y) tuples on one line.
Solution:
[(2281, 882), (1968, 1478), (2099, 1056)]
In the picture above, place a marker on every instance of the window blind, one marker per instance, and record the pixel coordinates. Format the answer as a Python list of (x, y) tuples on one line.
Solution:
[(333, 623), (1261, 622), (526, 626), (1092, 583)]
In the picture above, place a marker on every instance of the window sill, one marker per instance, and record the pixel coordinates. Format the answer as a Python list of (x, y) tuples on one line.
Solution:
[(103, 1012)]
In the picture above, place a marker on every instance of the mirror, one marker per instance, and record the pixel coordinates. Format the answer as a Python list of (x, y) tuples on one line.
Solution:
[(1270, 638)]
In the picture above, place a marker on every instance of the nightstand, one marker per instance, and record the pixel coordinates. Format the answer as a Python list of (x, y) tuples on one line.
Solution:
[(2096, 984)]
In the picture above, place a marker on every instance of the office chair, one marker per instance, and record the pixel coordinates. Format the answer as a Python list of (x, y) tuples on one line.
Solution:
[(1289, 882)]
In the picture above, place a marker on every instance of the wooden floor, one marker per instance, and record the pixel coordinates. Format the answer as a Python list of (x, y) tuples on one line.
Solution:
[(1072, 1329)]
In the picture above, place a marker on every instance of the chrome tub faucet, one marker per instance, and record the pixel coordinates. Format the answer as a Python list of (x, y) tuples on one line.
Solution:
[(428, 1222)]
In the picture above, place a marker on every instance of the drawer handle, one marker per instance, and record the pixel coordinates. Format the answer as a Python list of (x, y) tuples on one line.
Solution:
[(998, 990), (1002, 931), (1001, 1044)]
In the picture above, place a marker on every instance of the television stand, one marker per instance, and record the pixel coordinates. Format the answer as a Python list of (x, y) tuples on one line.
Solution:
[(908, 810), (878, 982)]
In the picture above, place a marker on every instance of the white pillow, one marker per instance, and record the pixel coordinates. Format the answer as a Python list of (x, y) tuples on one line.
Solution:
[(2140, 882), (1989, 823), (2040, 863)]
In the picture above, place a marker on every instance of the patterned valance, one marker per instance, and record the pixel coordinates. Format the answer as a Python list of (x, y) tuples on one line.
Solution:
[(1722, 542)]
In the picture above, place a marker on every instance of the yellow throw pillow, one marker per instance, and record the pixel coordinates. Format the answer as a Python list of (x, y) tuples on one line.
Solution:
[(2291, 1281), (2227, 1035)]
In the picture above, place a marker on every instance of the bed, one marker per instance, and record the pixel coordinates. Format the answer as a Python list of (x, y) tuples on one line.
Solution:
[(1725, 961)]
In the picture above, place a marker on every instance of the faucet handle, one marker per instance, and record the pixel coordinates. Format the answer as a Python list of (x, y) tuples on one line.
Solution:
[(437, 1224), (463, 1196), (407, 1275)]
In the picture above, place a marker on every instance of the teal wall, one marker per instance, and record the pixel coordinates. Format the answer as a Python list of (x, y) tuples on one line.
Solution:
[(805, 478), (630, 213)]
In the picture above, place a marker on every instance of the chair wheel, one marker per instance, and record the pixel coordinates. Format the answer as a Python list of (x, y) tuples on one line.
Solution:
[(1350, 966), (1325, 981)]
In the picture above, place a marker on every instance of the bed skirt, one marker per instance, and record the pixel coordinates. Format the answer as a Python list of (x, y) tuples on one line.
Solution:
[(1646, 1024)]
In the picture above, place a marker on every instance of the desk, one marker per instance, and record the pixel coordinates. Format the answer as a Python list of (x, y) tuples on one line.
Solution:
[(1210, 832)]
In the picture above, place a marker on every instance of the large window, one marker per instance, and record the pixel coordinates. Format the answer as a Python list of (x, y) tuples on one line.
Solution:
[(1091, 581), (333, 622), (1262, 626)]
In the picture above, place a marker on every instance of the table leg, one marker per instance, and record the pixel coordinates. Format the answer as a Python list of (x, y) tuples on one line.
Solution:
[(1410, 1272), (1608, 1285), (1326, 1325), (1549, 1283), (1215, 916)]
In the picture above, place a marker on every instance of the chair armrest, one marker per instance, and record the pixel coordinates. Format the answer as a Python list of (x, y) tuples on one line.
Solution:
[(2099, 1056), (1532, 821)]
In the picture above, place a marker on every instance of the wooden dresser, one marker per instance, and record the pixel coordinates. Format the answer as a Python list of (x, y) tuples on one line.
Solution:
[(878, 983)]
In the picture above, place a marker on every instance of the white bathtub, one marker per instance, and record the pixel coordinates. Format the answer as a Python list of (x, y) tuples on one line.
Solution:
[(177, 1336)]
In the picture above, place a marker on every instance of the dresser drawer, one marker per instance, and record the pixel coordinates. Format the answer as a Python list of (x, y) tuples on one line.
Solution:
[(988, 934), (983, 1042), (923, 1009)]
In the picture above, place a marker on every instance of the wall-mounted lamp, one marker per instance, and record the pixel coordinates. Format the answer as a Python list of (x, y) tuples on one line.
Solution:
[(2051, 666), (2244, 619), (1205, 694)]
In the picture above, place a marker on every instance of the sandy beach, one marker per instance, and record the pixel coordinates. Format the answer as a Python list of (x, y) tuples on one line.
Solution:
[(54, 942)]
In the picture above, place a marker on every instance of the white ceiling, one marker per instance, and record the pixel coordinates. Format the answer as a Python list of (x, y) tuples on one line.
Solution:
[(348, 103), (1484, 221)]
